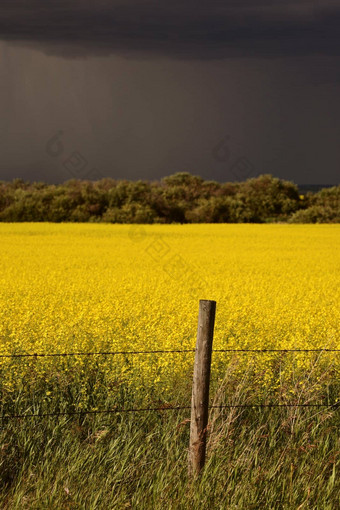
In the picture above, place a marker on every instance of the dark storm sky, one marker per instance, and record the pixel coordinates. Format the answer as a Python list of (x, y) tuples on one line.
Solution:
[(141, 89)]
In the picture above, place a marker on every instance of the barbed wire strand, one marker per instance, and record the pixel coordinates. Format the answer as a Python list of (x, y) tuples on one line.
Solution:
[(36, 355), (276, 350), (336, 405), (173, 351)]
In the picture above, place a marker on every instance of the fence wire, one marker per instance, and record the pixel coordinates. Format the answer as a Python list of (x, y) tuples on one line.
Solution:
[(109, 353), (165, 407), (172, 351)]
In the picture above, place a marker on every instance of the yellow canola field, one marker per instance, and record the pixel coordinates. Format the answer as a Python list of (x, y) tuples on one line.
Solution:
[(96, 287)]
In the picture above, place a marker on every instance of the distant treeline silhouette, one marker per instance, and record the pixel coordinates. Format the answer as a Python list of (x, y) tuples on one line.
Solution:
[(179, 198)]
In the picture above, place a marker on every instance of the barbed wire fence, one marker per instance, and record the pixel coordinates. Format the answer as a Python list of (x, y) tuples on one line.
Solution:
[(164, 407), (199, 406), (171, 351)]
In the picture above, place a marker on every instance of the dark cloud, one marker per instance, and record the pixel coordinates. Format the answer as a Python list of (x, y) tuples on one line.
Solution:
[(276, 101), (190, 29)]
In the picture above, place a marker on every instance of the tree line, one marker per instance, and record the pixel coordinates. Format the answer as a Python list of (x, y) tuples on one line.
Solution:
[(179, 198)]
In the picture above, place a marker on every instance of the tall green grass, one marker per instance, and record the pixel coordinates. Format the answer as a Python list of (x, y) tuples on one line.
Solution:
[(275, 458)]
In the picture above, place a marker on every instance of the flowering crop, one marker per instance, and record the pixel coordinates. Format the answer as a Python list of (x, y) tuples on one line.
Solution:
[(95, 287)]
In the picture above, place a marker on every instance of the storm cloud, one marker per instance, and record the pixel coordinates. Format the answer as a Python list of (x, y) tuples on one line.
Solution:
[(200, 29), (140, 89)]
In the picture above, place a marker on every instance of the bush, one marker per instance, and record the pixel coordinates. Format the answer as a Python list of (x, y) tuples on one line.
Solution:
[(316, 214), (179, 198)]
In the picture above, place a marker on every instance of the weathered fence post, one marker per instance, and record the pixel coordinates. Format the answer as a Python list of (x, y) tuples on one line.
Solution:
[(200, 386)]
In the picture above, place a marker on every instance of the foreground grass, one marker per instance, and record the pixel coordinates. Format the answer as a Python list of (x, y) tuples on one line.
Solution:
[(275, 458)]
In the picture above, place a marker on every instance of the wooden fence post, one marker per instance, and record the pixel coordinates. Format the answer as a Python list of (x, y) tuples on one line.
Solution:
[(200, 386)]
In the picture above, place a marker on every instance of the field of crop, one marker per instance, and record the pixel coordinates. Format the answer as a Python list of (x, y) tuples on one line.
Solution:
[(69, 288)]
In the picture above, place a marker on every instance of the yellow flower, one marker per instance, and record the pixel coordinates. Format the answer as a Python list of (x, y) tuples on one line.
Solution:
[(83, 287)]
